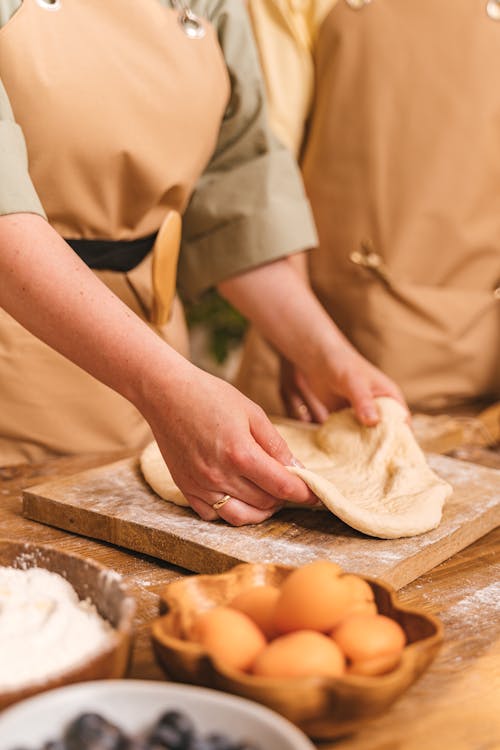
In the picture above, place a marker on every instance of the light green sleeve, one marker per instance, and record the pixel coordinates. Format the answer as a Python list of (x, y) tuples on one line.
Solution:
[(17, 194), (249, 206)]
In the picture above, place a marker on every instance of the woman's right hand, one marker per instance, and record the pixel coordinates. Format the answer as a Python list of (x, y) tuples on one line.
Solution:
[(217, 442)]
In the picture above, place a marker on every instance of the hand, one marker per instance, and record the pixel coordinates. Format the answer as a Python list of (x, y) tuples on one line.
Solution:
[(346, 379), (216, 442), (328, 372)]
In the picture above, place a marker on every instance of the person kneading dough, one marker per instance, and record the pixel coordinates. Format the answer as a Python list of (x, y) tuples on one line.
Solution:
[(100, 155), (375, 479), (402, 174)]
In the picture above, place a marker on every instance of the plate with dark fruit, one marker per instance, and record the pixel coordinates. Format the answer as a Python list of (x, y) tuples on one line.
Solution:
[(144, 715)]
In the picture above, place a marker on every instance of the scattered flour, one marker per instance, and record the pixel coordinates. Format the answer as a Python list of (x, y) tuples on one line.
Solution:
[(44, 628)]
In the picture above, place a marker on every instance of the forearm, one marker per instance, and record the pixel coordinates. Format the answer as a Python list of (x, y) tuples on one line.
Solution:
[(299, 262), (52, 293), (281, 305)]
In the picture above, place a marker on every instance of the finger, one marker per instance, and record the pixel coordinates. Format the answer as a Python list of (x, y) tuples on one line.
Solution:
[(292, 400), (268, 438), (295, 404), (296, 407), (234, 511), (204, 510), (388, 388), (240, 487), (317, 408), (238, 513), (365, 408), (254, 495), (264, 466)]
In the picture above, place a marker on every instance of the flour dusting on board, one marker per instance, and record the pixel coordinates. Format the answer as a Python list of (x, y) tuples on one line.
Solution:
[(114, 503), (476, 602)]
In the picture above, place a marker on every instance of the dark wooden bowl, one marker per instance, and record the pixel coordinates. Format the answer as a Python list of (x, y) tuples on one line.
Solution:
[(103, 587), (321, 707)]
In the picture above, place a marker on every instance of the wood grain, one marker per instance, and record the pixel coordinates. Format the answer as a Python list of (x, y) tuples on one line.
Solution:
[(113, 503), (454, 705)]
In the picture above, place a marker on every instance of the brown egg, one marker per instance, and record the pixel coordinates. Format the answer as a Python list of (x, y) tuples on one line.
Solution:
[(313, 597), (361, 594), (372, 643), (229, 636), (302, 654), (377, 666), (258, 604)]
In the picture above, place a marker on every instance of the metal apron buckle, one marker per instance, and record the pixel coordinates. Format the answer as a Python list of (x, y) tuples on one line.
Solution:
[(493, 9), (49, 4), (366, 257), (357, 4), (190, 23)]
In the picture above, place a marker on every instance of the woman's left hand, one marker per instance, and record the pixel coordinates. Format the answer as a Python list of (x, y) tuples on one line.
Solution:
[(328, 373), (345, 379)]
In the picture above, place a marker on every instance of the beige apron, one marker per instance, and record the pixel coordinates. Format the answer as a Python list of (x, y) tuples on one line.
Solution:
[(402, 167), (110, 97)]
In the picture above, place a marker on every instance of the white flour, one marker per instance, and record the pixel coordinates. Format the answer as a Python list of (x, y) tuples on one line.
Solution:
[(44, 627)]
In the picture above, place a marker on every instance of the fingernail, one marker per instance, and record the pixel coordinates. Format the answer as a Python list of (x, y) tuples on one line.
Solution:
[(295, 462), (370, 414), (314, 502)]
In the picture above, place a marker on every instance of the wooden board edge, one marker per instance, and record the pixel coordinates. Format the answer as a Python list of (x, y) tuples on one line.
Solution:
[(172, 549), (400, 576)]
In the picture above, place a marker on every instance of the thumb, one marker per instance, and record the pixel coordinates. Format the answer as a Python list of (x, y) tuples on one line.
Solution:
[(364, 406), (269, 439)]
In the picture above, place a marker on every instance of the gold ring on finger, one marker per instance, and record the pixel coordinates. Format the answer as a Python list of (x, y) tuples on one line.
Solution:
[(220, 503)]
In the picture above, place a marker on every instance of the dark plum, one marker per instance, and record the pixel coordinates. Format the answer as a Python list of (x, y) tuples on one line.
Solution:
[(199, 743), (173, 730), (92, 732), (218, 741)]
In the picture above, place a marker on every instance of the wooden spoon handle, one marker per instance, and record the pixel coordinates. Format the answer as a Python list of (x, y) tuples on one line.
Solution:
[(164, 267)]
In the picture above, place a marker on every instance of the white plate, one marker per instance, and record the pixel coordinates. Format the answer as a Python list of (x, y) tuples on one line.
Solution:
[(134, 705)]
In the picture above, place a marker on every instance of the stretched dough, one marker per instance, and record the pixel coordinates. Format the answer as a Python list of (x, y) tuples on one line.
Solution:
[(375, 479)]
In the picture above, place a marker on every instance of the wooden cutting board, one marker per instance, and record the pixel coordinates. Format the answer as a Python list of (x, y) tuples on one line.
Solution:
[(113, 503)]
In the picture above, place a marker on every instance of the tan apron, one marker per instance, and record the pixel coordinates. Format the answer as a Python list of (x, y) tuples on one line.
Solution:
[(402, 167), (110, 97)]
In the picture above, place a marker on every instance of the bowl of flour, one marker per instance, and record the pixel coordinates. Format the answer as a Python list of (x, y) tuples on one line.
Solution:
[(63, 619)]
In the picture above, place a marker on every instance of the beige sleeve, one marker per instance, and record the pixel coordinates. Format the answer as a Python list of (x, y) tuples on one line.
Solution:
[(17, 194), (285, 32), (249, 207), (283, 41)]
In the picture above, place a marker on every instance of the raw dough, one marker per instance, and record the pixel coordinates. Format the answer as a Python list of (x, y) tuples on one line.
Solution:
[(375, 479), (158, 477)]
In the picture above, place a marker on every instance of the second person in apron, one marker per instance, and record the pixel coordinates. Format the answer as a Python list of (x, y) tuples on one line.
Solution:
[(394, 118)]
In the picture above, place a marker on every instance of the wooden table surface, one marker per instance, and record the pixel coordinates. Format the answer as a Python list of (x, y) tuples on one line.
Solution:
[(454, 706)]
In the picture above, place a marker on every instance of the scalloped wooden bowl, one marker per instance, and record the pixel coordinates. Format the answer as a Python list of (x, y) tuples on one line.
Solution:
[(103, 587), (321, 707)]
